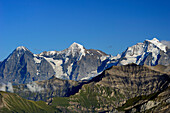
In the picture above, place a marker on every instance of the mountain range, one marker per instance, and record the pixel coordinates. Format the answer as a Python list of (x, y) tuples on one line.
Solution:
[(76, 62), (87, 80)]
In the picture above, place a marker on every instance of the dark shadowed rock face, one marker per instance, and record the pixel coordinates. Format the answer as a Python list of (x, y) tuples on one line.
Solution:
[(20, 67)]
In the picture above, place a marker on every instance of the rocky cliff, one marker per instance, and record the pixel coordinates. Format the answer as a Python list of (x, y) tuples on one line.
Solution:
[(20, 67)]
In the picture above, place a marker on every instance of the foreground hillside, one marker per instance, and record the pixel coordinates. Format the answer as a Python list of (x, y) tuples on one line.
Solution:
[(129, 88), (10, 102)]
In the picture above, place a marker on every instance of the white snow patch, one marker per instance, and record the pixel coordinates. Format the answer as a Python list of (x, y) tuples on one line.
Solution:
[(103, 58), (37, 60), (21, 48), (52, 52), (158, 44), (118, 56), (135, 50), (129, 60), (56, 64), (86, 78), (69, 69), (38, 72), (66, 60), (114, 57), (91, 75), (99, 52)]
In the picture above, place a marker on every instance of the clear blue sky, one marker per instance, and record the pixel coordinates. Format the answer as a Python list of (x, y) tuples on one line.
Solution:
[(107, 25)]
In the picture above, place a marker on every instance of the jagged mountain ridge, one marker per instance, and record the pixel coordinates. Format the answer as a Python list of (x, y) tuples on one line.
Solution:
[(150, 52), (77, 62), (74, 63)]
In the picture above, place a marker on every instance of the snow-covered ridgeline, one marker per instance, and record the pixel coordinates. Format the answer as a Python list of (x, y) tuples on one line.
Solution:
[(139, 52), (157, 43)]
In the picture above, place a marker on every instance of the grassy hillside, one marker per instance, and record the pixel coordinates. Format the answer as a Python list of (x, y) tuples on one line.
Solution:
[(11, 102)]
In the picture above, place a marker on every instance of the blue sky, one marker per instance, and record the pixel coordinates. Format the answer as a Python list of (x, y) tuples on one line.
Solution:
[(107, 25)]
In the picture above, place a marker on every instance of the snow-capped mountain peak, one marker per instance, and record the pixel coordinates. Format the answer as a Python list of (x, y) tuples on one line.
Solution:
[(150, 52), (75, 47), (21, 48), (157, 43)]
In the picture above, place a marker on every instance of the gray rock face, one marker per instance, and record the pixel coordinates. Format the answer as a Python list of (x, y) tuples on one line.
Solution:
[(20, 67)]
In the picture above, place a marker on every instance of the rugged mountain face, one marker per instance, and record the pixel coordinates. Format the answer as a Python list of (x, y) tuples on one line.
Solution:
[(20, 67), (76, 62), (150, 52), (73, 63)]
